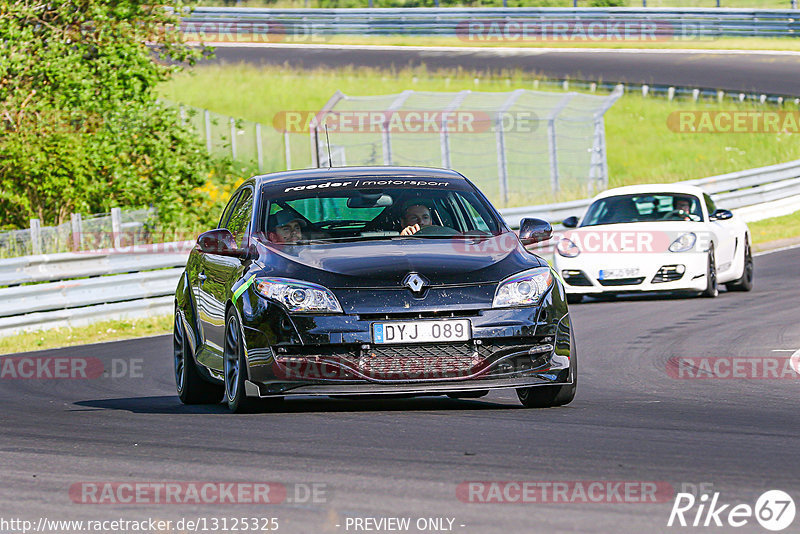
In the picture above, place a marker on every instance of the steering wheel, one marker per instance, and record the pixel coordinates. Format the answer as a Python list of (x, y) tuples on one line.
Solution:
[(679, 215)]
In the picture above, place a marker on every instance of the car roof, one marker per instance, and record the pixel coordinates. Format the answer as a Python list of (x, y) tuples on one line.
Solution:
[(356, 172), (646, 189)]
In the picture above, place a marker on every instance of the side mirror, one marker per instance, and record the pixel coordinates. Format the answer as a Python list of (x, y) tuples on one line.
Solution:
[(721, 215), (570, 222), (534, 231), (221, 243)]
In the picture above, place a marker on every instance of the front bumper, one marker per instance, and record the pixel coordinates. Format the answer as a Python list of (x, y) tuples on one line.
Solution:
[(656, 272), (335, 354)]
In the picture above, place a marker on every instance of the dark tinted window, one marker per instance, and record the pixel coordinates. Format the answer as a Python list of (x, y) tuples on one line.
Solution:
[(241, 215), (226, 213), (643, 208)]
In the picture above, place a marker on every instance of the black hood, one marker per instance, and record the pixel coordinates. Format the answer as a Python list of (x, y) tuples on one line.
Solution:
[(387, 263)]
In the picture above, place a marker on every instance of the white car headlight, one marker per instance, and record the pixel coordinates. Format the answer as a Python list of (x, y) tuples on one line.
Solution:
[(523, 289), (298, 296), (683, 243), (567, 248)]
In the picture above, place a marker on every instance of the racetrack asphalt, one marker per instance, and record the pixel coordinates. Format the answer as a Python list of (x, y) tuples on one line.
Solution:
[(631, 421), (759, 72)]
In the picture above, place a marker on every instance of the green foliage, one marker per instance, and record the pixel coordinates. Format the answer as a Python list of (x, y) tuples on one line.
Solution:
[(80, 128)]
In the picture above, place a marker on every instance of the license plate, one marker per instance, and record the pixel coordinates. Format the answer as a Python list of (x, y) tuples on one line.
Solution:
[(421, 331), (616, 274)]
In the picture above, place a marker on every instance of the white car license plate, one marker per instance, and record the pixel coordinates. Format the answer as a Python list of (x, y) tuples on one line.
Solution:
[(616, 274), (421, 331)]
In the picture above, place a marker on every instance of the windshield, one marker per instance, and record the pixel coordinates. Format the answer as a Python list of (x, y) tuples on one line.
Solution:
[(353, 210), (638, 208)]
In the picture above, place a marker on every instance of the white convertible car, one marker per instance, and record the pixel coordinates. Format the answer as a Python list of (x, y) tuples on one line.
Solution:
[(667, 237)]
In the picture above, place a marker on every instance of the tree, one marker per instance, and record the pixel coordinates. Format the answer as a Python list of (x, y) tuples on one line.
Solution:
[(80, 127)]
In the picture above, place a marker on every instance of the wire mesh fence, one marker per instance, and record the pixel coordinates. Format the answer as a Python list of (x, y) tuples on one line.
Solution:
[(521, 144), (261, 146), (117, 229)]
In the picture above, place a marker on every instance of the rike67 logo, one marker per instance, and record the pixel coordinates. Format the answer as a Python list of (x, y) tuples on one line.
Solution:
[(774, 510)]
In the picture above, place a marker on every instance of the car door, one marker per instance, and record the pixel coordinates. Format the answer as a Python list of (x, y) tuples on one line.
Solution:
[(196, 269), (216, 278), (725, 231)]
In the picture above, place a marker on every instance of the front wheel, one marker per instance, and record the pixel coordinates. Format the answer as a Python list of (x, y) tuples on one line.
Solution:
[(192, 388), (235, 368), (551, 396), (712, 290), (745, 283)]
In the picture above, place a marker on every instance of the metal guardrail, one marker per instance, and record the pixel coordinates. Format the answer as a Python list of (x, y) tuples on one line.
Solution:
[(78, 288), (665, 23), (733, 191)]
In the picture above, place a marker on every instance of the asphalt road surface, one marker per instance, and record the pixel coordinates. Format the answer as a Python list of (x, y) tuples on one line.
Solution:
[(760, 72), (631, 421)]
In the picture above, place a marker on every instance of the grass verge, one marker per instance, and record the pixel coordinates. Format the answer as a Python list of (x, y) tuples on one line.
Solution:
[(641, 146), (114, 330), (775, 229)]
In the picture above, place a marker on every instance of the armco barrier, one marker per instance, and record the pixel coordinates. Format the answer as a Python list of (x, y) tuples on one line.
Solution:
[(733, 191), (666, 22), (142, 282)]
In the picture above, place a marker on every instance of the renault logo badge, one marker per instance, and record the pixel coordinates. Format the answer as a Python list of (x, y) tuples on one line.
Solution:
[(415, 282)]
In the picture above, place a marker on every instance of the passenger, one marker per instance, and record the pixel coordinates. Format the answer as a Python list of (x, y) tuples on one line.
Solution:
[(284, 227), (416, 217)]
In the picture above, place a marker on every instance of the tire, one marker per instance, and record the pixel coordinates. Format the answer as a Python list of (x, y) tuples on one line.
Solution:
[(235, 368), (551, 396), (469, 394), (192, 388), (712, 290), (573, 298), (745, 283)]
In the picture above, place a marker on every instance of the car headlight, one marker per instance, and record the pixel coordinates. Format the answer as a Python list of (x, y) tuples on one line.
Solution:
[(567, 248), (298, 296), (523, 289), (683, 243)]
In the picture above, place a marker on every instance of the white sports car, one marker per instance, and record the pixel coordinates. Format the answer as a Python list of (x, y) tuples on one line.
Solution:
[(667, 237)]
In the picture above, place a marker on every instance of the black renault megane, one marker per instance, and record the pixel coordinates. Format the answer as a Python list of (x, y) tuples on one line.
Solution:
[(369, 280)]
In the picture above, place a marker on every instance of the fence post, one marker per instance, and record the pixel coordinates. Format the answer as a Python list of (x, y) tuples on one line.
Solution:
[(116, 226), (500, 138), (233, 137), (259, 149), (77, 231), (288, 149), (36, 236), (552, 146), (444, 136), (385, 135), (207, 120), (315, 159)]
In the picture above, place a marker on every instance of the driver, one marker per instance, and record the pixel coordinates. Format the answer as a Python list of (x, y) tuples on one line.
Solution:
[(683, 206), (415, 217), (285, 227)]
